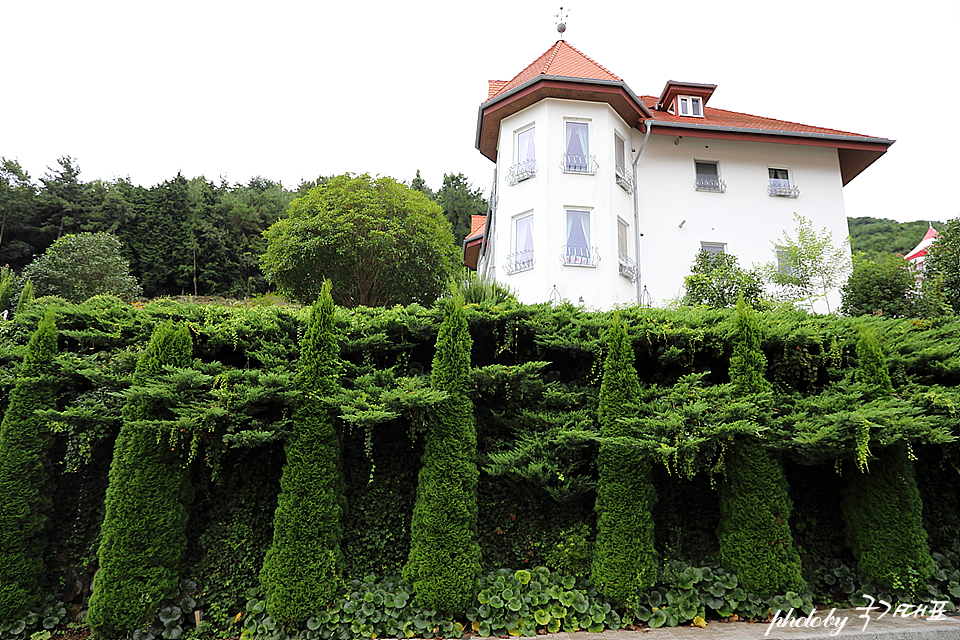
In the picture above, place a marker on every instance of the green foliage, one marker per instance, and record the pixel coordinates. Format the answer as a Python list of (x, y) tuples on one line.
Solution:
[(624, 559), (481, 289), (16, 204), (37, 623), (302, 568), (716, 280), (370, 608), (572, 555), (883, 513), (531, 602), (754, 532), (687, 593), (882, 509), (26, 296), (25, 474), (748, 363), (459, 203), (943, 261), (7, 282), (79, 266), (142, 536), (872, 365), (885, 286), (379, 242), (445, 556), (808, 266)]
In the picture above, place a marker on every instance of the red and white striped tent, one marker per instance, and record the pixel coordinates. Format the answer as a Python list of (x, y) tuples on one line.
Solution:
[(917, 254)]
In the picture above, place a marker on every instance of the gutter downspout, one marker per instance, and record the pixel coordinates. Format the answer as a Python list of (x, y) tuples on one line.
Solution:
[(636, 203)]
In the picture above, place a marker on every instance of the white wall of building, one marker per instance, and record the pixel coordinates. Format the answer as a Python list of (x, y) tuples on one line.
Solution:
[(744, 217)]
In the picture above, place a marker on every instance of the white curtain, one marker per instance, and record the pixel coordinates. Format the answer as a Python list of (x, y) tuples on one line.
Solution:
[(578, 236), (524, 234), (577, 146)]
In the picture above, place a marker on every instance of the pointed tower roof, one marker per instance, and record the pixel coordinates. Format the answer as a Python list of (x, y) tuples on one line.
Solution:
[(561, 60), (562, 71)]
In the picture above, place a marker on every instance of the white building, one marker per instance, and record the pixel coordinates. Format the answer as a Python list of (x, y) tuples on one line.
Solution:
[(604, 196)]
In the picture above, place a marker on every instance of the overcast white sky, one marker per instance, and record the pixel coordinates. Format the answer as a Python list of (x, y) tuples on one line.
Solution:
[(292, 90)]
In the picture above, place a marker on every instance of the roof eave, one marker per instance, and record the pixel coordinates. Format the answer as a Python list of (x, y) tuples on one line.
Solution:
[(507, 95)]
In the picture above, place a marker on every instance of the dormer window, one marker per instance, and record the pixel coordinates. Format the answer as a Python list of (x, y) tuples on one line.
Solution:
[(691, 106)]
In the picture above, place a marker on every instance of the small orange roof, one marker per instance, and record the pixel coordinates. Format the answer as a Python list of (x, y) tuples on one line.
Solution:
[(477, 223), (562, 60)]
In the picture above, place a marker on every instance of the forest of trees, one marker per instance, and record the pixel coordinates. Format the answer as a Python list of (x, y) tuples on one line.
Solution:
[(184, 236)]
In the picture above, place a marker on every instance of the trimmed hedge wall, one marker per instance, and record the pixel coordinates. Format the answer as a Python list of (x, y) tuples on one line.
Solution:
[(444, 563), (25, 474), (533, 382), (624, 560), (143, 533), (303, 568)]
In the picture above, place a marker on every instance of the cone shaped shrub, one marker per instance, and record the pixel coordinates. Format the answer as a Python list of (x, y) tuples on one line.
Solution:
[(624, 558), (754, 532), (25, 479), (444, 561), (302, 569), (143, 533), (881, 504)]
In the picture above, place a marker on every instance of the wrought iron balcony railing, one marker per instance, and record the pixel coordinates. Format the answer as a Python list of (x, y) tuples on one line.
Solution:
[(519, 261), (708, 183), (783, 191), (576, 163), (577, 255), (628, 268), (625, 179), (521, 171)]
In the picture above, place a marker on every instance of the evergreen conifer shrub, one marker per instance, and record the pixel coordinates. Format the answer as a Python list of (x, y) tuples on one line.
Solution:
[(444, 561), (143, 533), (302, 569), (881, 504), (25, 479), (624, 561), (754, 531)]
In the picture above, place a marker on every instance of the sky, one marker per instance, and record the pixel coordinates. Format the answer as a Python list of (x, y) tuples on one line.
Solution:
[(295, 90)]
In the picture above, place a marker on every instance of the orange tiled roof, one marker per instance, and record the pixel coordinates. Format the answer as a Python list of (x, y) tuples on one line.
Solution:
[(477, 224), (561, 59), (724, 118)]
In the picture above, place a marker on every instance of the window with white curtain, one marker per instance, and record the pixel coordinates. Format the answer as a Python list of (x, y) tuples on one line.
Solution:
[(578, 251), (522, 258), (526, 152), (690, 106), (779, 178), (577, 158)]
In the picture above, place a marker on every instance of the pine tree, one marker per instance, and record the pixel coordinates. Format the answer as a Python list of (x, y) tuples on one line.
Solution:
[(881, 504), (444, 561), (25, 478), (143, 533), (754, 532), (302, 569), (624, 558), (26, 297)]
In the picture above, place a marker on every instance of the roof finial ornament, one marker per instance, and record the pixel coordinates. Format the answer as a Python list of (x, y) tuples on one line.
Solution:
[(561, 18)]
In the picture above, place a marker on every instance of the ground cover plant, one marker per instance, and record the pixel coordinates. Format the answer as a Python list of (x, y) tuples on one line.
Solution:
[(224, 415)]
